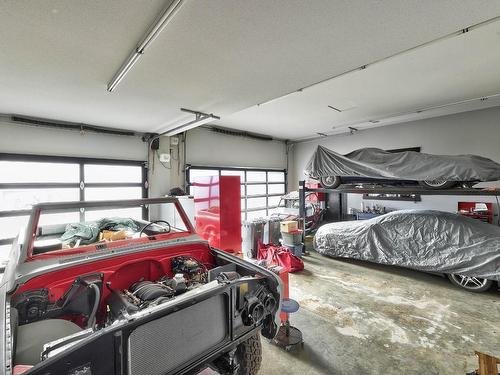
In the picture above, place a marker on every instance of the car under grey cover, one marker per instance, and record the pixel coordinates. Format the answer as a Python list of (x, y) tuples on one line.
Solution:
[(425, 240), (406, 165)]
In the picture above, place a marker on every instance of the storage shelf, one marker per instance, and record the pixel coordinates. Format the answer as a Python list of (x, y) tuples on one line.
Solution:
[(402, 190), (381, 189)]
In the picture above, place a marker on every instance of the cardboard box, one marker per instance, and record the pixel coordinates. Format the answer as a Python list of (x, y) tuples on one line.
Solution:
[(109, 235), (289, 226)]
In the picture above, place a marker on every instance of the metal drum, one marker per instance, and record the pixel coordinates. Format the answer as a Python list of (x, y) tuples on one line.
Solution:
[(272, 231), (253, 232)]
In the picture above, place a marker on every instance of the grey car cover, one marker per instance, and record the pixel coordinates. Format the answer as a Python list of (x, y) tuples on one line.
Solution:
[(406, 165), (431, 241)]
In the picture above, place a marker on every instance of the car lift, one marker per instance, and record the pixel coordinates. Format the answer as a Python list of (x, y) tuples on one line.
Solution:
[(335, 198)]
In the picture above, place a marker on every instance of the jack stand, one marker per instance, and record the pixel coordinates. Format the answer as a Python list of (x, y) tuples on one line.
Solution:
[(289, 337)]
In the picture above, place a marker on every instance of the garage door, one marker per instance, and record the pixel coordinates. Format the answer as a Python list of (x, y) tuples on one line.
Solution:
[(261, 189), (29, 179)]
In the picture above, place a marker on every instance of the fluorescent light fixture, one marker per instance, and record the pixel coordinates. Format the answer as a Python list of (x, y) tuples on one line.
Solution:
[(200, 119), (481, 99), (154, 30), (402, 117), (414, 115), (120, 74), (363, 67), (159, 24)]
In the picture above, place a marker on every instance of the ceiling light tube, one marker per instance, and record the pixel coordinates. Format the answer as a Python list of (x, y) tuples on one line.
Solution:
[(154, 30), (157, 27), (120, 74), (397, 116), (480, 98), (363, 67), (201, 119), (190, 125)]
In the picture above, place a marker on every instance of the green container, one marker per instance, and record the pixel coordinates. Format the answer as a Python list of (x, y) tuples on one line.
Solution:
[(292, 239), (308, 243)]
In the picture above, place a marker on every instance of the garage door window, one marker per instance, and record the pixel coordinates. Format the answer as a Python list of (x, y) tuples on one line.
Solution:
[(261, 189), (28, 179)]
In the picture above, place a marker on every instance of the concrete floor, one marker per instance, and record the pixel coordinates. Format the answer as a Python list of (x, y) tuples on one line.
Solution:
[(362, 318)]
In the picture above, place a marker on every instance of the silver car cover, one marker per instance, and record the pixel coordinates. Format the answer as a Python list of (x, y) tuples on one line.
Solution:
[(432, 241), (406, 165)]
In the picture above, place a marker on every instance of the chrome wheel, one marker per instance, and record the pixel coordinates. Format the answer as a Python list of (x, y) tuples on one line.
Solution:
[(330, 182), (435, 183), (473, 284), (438, 184)]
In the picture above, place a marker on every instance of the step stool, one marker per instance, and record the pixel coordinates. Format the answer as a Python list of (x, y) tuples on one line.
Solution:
[(288, 337)]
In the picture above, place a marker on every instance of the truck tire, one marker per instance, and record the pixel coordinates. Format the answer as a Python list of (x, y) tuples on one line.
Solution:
[(249, 355)]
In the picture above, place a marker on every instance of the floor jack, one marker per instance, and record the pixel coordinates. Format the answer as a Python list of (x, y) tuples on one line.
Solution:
[(288, 337)]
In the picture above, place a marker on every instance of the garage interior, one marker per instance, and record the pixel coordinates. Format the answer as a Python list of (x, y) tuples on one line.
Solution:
[(186, 90)]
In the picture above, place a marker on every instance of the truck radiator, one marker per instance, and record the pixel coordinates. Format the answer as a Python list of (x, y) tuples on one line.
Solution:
[(162, 345)]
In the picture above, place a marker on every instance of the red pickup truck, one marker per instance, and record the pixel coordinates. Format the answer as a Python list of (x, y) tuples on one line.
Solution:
[(129, 295)]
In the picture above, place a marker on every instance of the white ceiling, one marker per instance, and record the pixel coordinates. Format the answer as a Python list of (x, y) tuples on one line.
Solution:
[(448, 71), (226, 56)]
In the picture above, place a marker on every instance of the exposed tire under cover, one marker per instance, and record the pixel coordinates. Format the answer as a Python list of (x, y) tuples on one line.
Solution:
[(330, 182), (472, 284), (438, 184)]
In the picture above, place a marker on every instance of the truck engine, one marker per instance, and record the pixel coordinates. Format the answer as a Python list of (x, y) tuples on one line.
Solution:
[(188, 274), (95, 302)]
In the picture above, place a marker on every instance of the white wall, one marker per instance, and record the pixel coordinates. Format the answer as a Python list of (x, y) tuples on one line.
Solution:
[(203, 148), (208, 148), (476, 132), (24, 139)]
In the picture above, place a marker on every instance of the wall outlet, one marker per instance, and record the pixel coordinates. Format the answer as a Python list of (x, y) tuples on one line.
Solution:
[(174, 141), (165, 158)]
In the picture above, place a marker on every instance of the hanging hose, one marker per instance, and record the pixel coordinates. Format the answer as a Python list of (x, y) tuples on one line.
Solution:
[(92, 315)]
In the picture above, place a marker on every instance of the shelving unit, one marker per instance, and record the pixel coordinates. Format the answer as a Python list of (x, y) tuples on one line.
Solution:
[(336, 197)]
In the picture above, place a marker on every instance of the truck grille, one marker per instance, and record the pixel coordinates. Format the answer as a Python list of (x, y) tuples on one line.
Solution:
[(162, 345)]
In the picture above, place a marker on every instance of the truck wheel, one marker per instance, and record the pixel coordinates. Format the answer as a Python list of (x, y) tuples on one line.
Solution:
[(250, 356)]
